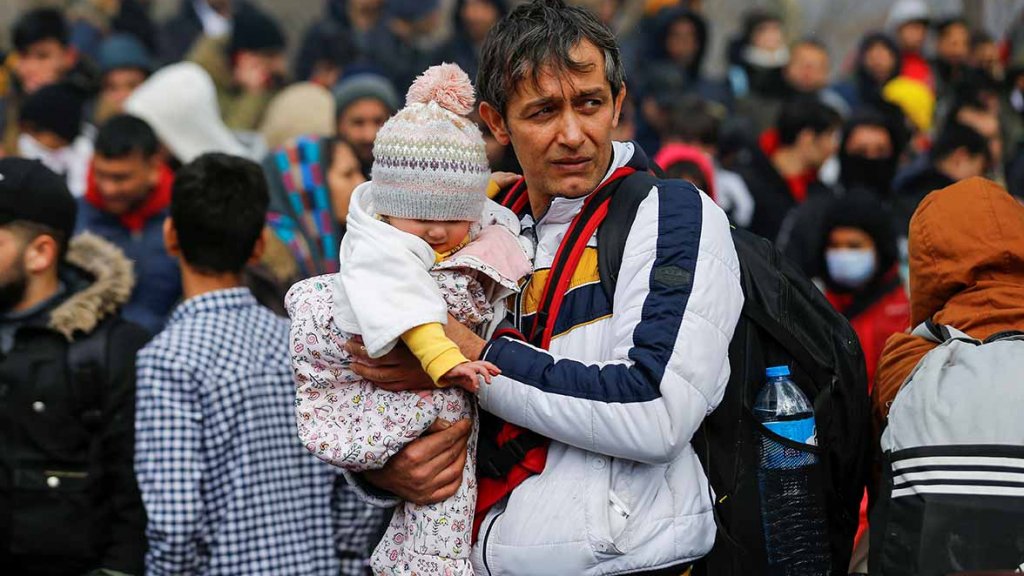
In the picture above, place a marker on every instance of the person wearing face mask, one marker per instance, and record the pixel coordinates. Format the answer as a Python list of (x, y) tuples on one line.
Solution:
[(859, 264)]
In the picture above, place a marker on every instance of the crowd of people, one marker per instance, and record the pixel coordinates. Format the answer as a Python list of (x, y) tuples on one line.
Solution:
[(164, 185)]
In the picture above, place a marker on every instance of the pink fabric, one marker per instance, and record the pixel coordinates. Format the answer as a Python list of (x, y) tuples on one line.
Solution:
[(673, 153)]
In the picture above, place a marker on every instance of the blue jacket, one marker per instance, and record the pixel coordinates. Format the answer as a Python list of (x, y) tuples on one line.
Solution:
[(157, 277)]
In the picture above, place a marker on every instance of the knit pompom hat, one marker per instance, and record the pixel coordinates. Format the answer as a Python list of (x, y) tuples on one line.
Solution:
[(429, 159)]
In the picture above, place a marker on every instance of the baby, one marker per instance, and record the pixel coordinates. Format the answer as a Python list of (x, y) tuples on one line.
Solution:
[(422, 242)]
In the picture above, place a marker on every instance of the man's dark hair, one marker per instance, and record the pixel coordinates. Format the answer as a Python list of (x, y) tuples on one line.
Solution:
[(38, 25), (125, 135), (805, 113), (811, 42), (219, 206), (694, 120), (955, 136), (27, 231), (538, 35), (979, 37)]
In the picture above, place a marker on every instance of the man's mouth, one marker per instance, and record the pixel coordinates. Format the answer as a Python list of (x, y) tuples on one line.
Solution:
[(572, 164)]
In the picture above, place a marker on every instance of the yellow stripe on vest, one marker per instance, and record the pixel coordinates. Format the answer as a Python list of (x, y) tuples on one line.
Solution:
[(585, 273)]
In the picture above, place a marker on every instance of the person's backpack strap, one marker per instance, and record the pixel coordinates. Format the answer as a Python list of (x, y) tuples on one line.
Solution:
[(611, 236), (87, 363), (515, 198), (939, 333)]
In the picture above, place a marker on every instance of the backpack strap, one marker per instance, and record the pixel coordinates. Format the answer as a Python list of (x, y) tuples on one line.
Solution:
[(939, 333), (87, 363), (611, 236), (514, 198), (567, 257)]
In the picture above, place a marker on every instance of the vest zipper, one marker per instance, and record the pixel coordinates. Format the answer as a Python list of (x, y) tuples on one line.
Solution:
[(487, 536)]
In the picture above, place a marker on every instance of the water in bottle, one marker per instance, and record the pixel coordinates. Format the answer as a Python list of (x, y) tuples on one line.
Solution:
[(795, 528)]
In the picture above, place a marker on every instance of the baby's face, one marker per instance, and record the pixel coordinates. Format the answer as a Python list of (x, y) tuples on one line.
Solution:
[(441, 235)]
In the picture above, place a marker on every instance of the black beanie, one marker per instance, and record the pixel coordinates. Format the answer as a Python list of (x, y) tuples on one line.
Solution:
[(55, 108), (254, 31)]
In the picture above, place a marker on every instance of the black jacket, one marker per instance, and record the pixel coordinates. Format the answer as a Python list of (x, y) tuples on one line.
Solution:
[(773, 200), (69, 503)]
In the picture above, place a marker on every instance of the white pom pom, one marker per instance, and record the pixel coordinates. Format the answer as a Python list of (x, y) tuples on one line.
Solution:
[(445, 84)]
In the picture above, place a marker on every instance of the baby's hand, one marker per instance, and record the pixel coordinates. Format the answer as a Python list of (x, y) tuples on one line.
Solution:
[(466, 375)]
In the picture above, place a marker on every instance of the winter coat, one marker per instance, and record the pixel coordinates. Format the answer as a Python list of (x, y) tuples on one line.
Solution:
[(620, 391), (773, 197), (966, 270), (68, 498), (911, 186), (157, 276)]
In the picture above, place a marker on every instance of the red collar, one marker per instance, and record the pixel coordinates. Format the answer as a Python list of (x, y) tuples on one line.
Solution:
[(797, 183), (157, 201)]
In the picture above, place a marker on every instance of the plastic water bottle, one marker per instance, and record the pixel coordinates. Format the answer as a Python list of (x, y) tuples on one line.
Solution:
[(795, 528)]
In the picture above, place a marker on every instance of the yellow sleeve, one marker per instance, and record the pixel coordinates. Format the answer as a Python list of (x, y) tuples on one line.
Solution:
[(436, 353)]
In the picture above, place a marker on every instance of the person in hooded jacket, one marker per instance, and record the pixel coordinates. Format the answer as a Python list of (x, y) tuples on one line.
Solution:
[(859, 258), (69, 502), (680, 41), (757, 59), (878, 62), (966, 250), (473, 19)]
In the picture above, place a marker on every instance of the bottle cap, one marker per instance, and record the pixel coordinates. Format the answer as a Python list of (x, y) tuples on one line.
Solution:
[(777, 371)]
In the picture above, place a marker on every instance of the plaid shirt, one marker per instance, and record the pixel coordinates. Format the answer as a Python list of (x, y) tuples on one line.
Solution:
[(228, 487)]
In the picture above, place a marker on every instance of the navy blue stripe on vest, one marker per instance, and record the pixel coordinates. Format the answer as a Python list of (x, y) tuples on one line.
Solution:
[(581, 305), (654, 338)]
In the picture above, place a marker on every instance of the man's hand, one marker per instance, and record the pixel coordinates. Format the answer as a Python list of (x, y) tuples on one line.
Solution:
[(429, 469), (396, 371)]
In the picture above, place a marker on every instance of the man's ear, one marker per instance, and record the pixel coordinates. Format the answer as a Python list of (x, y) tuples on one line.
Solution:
[(259, 247), (618, 106), (496, 122), (171, 238), (41, 254)]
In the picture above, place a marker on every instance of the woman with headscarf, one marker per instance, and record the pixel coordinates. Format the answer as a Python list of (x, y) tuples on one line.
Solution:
[(878, 62)]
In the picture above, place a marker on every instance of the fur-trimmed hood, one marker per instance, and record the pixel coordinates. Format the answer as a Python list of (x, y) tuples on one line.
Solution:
[(101, 281)]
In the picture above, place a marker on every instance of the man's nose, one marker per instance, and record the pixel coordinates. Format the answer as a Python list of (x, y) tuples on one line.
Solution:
[(571, 134)]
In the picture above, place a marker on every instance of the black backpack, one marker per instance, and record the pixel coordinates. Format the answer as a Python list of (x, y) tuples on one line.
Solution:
[(785, 320)]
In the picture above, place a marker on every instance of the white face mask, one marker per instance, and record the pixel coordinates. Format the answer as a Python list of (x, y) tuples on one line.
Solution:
[(850, 267)]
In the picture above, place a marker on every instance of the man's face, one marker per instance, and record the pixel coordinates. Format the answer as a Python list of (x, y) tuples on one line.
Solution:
[(911, 36), (681, 42), (359, 124), (986, 123), (879, 62), (13, 274), (954, 45), (43, 63), (868, 141), (479, 16), (817, 148), (125, 183), (560, 127), (119, 84), (807, 70)]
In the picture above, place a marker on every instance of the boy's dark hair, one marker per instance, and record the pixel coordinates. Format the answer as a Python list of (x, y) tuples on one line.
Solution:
[(219, 206), (693, 120), (955, 136), (805, 113), (38, 25), (811, 42), (539, 35), (124, 135)]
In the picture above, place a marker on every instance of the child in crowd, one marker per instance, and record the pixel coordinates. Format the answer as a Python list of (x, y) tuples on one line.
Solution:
[(422, 242)]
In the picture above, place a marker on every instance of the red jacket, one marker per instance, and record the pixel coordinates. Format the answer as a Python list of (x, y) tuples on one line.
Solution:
[(889, 315)]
